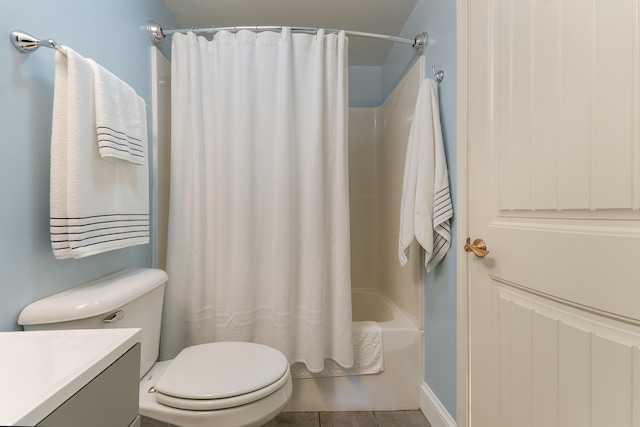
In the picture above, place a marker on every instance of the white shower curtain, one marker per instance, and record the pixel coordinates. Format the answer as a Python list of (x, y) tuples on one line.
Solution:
[(259, 213)]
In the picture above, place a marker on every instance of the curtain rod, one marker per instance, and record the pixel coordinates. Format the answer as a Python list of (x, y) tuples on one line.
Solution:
[(158, 34)]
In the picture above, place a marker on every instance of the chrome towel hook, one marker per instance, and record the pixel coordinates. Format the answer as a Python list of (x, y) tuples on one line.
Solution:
[(437, 76)]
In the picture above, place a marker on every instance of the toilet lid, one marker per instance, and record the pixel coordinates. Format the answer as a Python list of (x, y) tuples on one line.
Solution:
[(222, 370)]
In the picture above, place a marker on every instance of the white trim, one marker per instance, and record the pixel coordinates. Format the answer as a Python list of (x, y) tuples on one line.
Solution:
[(433, 409), (160, 142), (155, 250), (462, 203)]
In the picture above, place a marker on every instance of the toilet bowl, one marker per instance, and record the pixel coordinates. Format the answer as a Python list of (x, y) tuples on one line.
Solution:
[(231, 384)]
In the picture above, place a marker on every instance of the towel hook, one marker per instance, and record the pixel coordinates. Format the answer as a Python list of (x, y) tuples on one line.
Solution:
[(437, 76)]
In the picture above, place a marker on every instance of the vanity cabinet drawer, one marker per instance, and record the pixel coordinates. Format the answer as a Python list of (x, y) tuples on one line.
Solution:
[(109, 400)]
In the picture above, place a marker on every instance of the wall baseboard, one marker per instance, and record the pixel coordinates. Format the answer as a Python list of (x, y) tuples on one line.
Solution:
[(433, 410)]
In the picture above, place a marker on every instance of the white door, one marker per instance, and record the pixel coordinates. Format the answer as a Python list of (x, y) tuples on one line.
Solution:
[(552, 127)]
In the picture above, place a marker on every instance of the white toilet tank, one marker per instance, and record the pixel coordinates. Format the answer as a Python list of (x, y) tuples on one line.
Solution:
[(130, 298)]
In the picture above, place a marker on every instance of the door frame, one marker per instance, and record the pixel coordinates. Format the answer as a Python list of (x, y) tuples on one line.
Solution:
[(462, 202)]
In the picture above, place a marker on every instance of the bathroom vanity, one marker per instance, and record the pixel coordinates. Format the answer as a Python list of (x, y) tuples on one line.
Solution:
[(70, 377)]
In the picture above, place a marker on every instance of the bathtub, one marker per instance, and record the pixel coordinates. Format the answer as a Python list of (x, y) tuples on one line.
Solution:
[(397, 388)]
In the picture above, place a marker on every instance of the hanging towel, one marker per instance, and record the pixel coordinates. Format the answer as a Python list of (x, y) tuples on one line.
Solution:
[(425, 207), (96, 205), (120, 117), (367, 355)]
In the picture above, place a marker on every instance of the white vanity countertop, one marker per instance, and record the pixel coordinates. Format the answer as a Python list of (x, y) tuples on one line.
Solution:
[(40, 370)]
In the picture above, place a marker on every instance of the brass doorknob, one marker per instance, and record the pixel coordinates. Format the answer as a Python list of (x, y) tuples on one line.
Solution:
[(478, 247)]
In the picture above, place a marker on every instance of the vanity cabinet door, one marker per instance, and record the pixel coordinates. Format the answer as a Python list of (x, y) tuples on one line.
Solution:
[(109, 400)]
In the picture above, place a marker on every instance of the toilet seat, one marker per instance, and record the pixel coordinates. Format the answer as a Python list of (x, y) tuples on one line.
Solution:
[(221, 375)]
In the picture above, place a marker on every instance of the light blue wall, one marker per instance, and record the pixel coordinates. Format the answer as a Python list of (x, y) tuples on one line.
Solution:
[(438, 17), (112, 33), (365, 86)]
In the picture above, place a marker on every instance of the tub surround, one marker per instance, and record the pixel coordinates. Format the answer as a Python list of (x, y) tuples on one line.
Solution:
[(397, 388), (378, 140), (41, 370), (401, 284)]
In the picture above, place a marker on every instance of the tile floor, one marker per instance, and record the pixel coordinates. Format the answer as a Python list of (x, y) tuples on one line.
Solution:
[(350, 419)]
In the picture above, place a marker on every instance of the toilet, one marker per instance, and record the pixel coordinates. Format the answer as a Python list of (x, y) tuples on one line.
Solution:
[(217, 384)]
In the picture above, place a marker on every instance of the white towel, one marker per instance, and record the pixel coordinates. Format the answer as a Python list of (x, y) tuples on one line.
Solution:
[(368, 355), (120, 117), (425, 208), (96, 206)]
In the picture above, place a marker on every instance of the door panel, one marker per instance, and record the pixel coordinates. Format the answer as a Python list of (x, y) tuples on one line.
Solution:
[(561, 365), (553, 131), (566, 108)]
